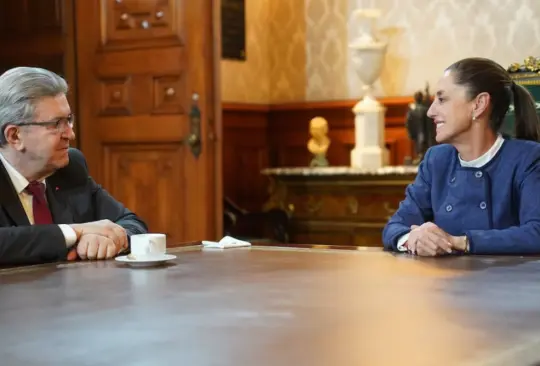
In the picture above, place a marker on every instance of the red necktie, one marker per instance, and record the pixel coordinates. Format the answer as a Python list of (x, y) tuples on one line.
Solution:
[(42, 214)]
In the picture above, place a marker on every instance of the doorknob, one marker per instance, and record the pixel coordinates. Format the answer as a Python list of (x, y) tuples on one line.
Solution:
[(194, 138)]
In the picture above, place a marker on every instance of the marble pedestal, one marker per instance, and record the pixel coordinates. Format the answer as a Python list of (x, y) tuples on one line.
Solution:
[(369, 151)]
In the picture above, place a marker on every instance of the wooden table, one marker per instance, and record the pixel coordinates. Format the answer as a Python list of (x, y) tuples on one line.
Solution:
[(274, 306)]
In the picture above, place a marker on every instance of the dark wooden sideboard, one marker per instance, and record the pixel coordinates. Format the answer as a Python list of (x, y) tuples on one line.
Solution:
[(337, 205)]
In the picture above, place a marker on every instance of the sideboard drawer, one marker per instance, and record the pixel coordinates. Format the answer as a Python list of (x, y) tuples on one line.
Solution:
[(354, 205), (338, 209)]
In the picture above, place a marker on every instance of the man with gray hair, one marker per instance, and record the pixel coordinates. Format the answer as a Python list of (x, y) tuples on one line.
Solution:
[(50, 208)]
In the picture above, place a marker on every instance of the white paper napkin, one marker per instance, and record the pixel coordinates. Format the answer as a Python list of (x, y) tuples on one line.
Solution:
[(226, 242)]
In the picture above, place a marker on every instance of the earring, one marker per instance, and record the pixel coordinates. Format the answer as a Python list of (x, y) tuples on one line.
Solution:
[(474, 118)]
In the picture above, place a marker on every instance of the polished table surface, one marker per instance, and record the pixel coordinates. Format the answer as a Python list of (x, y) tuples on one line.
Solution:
[(274, 306)]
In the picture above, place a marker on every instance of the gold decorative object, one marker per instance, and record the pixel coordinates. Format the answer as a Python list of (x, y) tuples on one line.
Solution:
[(530, 64), (389, 210), (313, 205), (319, 143), (277, 199), (514, 67), (352, 205)]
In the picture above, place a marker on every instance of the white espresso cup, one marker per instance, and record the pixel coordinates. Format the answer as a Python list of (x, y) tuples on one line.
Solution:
[(148, 245)]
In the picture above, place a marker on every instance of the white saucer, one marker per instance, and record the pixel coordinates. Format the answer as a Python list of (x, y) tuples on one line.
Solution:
[(146, 261)]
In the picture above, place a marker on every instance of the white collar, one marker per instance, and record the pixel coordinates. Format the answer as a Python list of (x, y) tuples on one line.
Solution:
[(17, 179), (485, 158)]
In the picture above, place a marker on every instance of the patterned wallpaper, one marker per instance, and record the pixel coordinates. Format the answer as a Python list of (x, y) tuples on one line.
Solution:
[(426, 36), (287, 51), (274, 70), (249, 81), (298, 49), (326, 49)]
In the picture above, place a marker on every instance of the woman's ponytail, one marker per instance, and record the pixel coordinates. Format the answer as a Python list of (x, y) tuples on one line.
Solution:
[(527, 122)]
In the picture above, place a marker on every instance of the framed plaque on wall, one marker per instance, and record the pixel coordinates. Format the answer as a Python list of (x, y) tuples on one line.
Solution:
[(233, 29)]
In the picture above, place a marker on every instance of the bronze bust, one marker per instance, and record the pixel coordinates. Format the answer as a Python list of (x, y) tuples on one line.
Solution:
[(420, 127)]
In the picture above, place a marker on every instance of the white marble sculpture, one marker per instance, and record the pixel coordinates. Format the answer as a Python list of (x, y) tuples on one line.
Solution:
[(368, 56)]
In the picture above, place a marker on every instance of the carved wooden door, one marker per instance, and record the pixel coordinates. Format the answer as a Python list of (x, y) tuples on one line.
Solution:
[(146, 70)]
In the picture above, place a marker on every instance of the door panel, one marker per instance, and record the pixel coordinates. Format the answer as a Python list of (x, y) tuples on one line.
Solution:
[(134, 171), (147, 22), (139, 65)]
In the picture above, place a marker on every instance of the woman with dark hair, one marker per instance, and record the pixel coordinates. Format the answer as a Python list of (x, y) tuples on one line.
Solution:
[(476, 192)]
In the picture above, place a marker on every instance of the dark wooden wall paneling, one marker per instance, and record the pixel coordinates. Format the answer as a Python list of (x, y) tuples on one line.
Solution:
[(245, 153), (260, 136)]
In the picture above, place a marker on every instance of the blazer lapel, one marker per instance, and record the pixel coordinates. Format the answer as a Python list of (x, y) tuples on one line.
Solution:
[(9, 199), (58, 204)]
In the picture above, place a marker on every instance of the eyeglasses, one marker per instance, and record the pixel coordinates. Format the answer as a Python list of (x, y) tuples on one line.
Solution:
[(60, 124)]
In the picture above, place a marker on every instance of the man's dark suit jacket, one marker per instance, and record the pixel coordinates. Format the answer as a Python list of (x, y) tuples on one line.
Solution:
[(74, 197)]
